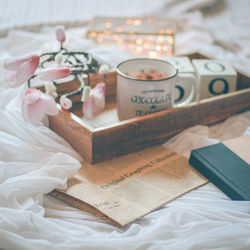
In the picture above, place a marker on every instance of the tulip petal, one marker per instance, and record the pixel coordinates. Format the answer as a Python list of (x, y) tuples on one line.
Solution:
[(53, 74), (88, 108), (49, 104), (14, 64), (10, 77), (32, 96), (36, 104), (96, 101), (24, 73), (33, 113), (98, 94), (22, 68), (99, 88), (99, 100), (26, 70)]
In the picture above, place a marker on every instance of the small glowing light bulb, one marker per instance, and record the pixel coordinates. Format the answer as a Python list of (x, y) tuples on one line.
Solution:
[(129, 21), (169, 31), (164, 48), (139, 41), (152, 53), (158, 47), (108, 24), (137, 22), (138, 49), (170, 40)]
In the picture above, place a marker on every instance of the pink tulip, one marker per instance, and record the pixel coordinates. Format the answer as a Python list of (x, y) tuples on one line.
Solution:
[(53, 74), (36, 104), (96, 101), (21, 69), (10, 77), (60, 34)]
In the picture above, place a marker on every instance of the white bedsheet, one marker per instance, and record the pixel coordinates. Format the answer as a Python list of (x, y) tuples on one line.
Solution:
[(34, 161)]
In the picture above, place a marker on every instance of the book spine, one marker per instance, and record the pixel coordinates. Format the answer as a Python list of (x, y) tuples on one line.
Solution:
[(217, 178)]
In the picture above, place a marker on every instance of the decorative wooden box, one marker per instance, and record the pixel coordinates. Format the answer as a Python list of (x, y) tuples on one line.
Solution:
[(106, 137)]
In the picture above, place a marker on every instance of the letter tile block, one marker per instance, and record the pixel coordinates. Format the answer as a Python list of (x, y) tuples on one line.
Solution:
[(185, 67), (216, 77)]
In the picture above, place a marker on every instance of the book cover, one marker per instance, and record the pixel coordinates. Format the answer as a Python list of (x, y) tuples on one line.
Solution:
[(225, 168)]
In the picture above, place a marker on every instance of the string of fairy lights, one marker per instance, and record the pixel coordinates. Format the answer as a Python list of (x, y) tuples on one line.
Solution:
[(142, 37)]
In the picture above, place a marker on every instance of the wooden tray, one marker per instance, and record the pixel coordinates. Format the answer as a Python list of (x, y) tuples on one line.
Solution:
[(106, 137)]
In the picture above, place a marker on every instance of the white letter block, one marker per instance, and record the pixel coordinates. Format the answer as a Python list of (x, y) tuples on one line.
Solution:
[(184, 66), (182, 63), (215, 77)]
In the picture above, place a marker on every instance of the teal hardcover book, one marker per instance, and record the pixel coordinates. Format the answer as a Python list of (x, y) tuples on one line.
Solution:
[(224, 168)]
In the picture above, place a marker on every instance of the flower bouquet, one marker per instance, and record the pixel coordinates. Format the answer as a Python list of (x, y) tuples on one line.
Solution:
[(50, 67)]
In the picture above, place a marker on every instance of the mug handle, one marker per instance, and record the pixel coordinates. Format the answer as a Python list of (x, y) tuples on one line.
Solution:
[(187, 78)]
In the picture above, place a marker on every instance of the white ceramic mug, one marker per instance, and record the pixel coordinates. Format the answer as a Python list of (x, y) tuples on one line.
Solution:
[(136, 97)]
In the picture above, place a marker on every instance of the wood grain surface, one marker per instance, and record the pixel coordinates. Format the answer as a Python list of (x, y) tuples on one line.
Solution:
[(107, 137)]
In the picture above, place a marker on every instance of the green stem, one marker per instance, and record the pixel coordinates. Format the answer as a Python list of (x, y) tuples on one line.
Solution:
[(49, 53), (90, 65), (29, 83), (79, 78), (72, 53), (80, 89)]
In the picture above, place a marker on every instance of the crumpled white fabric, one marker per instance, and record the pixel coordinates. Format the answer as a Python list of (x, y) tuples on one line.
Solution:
[(34, 160), (218, 29)]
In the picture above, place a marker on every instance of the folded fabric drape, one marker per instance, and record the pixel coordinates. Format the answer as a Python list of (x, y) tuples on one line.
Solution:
[(35, 160)]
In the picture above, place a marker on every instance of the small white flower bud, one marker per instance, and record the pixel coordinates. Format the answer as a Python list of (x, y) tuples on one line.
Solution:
[(85, 93), (59, 58), (50, 89), (54, 95), (68, 65), (104, 69)]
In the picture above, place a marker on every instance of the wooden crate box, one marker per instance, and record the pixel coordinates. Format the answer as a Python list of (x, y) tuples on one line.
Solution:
[(106, 137)]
